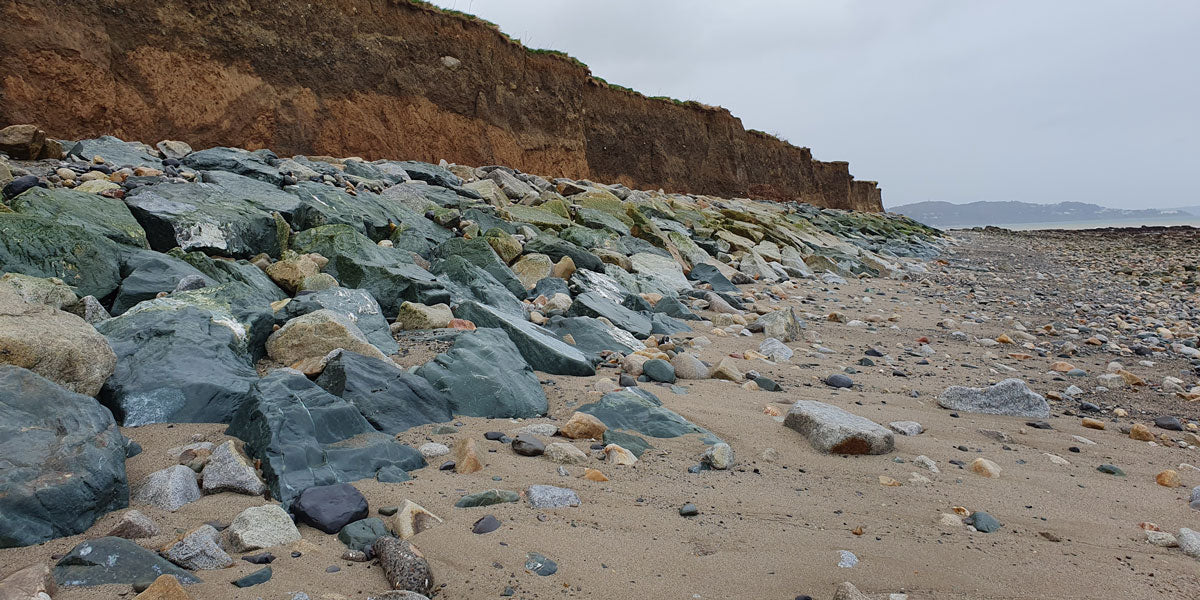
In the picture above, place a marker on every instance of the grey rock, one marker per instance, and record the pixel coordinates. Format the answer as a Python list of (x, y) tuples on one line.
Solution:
[(776, 350), (687, 366), (40, 247), (234, 160), (360, 534), (357, 305), (484, 375), (63, 456), (1195, 501), (169, 488), (228, 470), (97, 214), (1189, 542), (718, 456), (538, 345), (906, 427), (659, 370), (548, 496), (54, 344), (833, 430), (116, 152), (782, 325), (565, 453), (198, 550), (110, 560), (261, 527), (403, 565), (390, 398), (527, 445), (839, 380), (639, 411), (1010, 397), (592, 304), (134, 525)]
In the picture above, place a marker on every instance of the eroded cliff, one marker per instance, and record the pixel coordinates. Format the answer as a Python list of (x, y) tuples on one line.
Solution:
[(378, 79)]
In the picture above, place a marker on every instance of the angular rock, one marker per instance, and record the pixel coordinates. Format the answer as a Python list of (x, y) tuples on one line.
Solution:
[(665, 275), (548, 496), (197, 550), (906, 427), (640, 412), (115, 152), (833, 430), (100, 215), (260, 527), (592, 304), (466, 457), (1010, 397), (390, 398), (40, 247), (358, 535), (782, 325), (134, 525), (168, 489), (356, 305), (410, 520), (206, 217), (414, 315), (484, 375), (305, 437), (234, 160), (64, 460), (109, 560), (315, 335), (330, 507), (228, 470), (565, 454), (54, 344), (718, 456), (659, 370)]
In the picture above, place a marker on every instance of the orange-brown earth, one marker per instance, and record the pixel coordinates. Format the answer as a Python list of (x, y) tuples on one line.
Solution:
[(378, 79)]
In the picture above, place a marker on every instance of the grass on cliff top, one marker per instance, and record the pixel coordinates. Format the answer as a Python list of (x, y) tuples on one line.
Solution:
[(557, 54)]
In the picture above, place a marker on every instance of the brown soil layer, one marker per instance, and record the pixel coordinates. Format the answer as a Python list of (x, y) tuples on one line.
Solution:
[(371, 78)]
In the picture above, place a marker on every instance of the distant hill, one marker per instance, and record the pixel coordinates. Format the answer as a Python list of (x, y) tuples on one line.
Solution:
[(945, 214)]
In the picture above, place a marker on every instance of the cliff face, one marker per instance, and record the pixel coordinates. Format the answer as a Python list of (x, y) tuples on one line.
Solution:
[(376, 78)]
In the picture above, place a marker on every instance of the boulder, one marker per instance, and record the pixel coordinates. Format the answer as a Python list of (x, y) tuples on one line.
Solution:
[(205, 217), (100, 215), (370, 214), (197, 550), (41, 247), (484, 375), (148, 274), (390, 398), (330, 507), (557, 249), (592, 304), (30, 583), (479, 252), (414, 315), (431, 174), (538, 345), (52, 292), (1011, 397), (260, 527), (168, 489), (710, 274), (234, 160), (468, 282), (23, 142), (115, 152), (305, 436), (315, 335), (782, 325), (134, 525), (356, 305), (178, 361), (356, 262), (532, 268), (228, 470), (640, 411), (110, 560), (833, 430), (664, 274), (64, 460), (54, 344)]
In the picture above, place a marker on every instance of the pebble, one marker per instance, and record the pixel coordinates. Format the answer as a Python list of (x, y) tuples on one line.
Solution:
[(688, 510)]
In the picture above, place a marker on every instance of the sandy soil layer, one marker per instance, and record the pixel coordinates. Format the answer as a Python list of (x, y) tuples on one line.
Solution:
[(773, 526)]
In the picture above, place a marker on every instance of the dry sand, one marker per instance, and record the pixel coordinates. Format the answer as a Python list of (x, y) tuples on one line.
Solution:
[(774, 528)]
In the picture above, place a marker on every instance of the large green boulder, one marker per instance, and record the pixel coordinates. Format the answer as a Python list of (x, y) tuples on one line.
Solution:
[(63, 460), (638, 410), (39, 247), (557, 248), (539, 346), (390, 398), (234, 160), (307, 437), (114, 560), (593, 336), (484, 375), (467, 281), (181, 358), (147, 273), (207, 217), (238, 272), (98, 214), (357, 262), (116, 152), (368, 213), (358, 305), (479, 252), (593, 304)]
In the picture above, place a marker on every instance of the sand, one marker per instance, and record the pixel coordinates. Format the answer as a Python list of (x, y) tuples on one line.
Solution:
[(774, 528)]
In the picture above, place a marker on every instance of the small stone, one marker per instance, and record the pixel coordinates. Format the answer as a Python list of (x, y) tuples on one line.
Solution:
[(487, 498), (466, 457), (1169, 423), (1189, 542), (548, 496), (1141, 433), (985, 467), (134, 525), (983, 522), (593, 475), (404, 567), (565, 453), (197, 550), (362, 533), (839, 380), (228, 470), (719, 456), (619, 456), (1093, 424), (169, 489), (583, 426), (540, 565), (1111, 470), (260, 576), (909, 428), (727, 371), (527, 445), (486, 524), (659, 370), (1168, 478), (1161, 539), (433, 450)]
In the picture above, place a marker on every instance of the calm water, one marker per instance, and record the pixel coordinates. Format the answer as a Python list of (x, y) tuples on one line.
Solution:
[(1173, 221)]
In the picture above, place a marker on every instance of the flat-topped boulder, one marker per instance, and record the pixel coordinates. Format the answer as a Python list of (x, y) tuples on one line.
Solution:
[(833, 430)]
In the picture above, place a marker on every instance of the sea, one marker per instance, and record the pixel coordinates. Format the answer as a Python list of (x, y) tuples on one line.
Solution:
[(1188, 220)]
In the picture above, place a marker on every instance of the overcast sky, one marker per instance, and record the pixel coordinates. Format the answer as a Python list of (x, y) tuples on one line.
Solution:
[(1034, 100)]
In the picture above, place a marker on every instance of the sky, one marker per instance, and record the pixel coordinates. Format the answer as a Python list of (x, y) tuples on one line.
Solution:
[(960, 101)]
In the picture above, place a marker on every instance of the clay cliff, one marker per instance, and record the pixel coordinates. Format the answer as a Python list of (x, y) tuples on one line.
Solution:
[(377, 79)]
